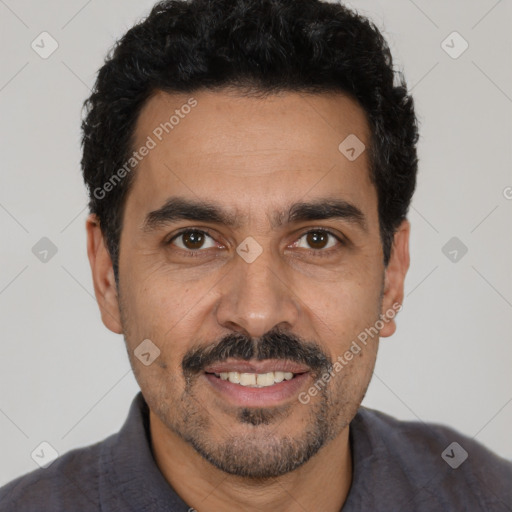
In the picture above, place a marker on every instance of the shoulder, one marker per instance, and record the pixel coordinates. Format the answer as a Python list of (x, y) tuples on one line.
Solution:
[(69, 483), (435, 457)]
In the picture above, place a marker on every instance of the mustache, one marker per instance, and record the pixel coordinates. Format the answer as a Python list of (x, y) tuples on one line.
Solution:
[(273, 345)]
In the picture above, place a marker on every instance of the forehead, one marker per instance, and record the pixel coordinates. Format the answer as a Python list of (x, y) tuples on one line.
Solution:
[(250, 151)]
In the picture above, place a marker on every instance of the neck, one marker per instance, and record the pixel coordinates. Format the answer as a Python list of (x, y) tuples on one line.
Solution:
[(322, 483)]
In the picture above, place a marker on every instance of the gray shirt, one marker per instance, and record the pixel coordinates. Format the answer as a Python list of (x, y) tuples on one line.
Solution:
[(397, 466)]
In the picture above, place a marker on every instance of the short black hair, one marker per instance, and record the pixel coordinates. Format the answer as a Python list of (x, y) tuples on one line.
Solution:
[(256, 47)]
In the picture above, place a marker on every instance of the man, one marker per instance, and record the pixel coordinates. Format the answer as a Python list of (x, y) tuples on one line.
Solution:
[(250, 167)]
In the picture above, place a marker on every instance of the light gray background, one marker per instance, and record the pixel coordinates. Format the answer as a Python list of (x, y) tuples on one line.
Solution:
[(65, 379)]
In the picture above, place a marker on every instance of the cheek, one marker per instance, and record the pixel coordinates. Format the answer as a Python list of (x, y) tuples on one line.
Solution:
[(345, 326), (161, 383), (169, 314), (344, 304), (158, 313), (158, 303)]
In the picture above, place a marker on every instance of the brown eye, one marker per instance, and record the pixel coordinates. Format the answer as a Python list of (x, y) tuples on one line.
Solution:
[(317, 239), (192, 240)]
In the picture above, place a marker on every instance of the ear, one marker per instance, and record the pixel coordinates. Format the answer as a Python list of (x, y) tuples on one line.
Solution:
[(394, 277), (105, 287)]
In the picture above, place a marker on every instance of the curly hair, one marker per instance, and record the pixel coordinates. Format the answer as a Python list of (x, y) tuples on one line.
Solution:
[(258, 48)]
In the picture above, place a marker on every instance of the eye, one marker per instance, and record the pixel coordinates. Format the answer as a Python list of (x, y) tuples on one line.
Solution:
[(192, 240), (317, 239)]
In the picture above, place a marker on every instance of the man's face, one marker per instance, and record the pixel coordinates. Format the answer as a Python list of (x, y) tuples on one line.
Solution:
[(252, 289)]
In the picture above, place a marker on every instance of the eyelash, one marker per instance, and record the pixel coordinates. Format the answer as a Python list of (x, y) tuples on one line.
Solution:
[(317, 252), (189, 253), (323, 253)]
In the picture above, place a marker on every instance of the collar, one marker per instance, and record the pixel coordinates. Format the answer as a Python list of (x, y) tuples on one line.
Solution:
[(129, 476)]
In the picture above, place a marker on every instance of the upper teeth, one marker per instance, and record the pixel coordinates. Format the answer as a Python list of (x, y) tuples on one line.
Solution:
[(255, 379)]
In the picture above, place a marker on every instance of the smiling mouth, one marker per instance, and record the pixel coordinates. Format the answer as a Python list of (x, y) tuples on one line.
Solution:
[(255, 380)]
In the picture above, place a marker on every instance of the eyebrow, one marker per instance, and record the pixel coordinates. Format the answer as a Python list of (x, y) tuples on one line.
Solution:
[(323, 210), (178, 208)]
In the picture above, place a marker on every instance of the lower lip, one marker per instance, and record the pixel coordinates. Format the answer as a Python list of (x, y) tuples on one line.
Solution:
[(258, 397)]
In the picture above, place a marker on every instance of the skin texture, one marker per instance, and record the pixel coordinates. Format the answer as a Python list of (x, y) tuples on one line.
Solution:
[(253, 157)]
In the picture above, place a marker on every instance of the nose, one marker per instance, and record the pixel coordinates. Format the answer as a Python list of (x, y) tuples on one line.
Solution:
[(257, 297)]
